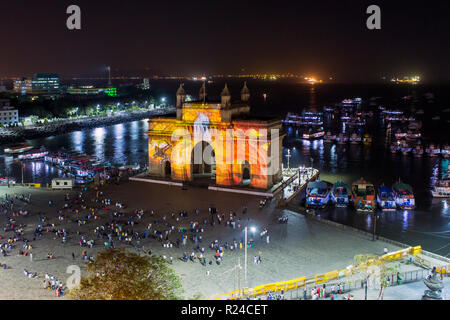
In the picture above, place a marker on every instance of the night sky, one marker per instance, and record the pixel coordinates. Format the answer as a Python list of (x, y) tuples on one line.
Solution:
[(322, 37)]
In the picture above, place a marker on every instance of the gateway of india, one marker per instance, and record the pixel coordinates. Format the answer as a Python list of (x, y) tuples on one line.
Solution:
[(217, 142)]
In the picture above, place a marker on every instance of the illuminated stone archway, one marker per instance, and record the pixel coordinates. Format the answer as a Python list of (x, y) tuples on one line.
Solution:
[(237, 142)]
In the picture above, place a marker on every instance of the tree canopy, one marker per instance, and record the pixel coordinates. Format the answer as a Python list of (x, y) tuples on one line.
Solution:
[(120, 275)]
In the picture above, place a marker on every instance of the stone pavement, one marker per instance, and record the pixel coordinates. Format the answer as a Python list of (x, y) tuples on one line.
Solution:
[(302, 247)]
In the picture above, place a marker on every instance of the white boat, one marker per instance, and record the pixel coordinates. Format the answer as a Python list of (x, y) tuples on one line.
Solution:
[(18, 148), (445, 151), (355, 138), (342, 139), (405, 148), (441, 189), (386, 199), (313, 133), (400, 134), (432, 151), (404, 196), (418, 151), (413, 135)]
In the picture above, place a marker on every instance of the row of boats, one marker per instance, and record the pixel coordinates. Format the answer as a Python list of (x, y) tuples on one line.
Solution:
[(418, 150), (84, 167), (363, 195)]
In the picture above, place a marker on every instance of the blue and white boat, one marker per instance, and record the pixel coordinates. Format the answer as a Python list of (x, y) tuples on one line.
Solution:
[(339, 194), (386, 199), (404, 196), (317, 194)]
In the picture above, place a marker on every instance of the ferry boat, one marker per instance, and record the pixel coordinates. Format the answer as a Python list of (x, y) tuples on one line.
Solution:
[(342, 139), (405, 148), (400, 134), (418, 151), (313, 133), (432, 151), (404, 196), (33, 154), (445, 151), (328, 109), (18, 148), (355, 138), (441, 189), (339, 194), (304, 119), (350, 105), (363, 196), (413, 135), (317, 194), (386, 199)]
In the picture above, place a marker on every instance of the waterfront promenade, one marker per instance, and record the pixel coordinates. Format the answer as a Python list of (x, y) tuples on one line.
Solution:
[(18, 134), (302, 247)]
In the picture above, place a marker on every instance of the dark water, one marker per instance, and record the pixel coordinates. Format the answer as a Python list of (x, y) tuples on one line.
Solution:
[(428, 225)]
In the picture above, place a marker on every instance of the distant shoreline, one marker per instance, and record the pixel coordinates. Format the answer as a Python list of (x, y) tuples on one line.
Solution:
[(20, 134)]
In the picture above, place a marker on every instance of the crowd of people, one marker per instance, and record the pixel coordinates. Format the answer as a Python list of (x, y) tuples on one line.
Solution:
[(92, 220)]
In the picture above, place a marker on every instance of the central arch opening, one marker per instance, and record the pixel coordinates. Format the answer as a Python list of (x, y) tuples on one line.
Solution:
[(246, 178), (203, 162)]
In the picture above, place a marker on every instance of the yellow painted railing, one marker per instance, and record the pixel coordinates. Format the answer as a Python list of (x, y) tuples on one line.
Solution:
[(317, 279)]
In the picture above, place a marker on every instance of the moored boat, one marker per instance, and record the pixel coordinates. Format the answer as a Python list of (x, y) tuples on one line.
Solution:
[(342, 139), (441, 189), (313, 133), (433, 151), (355, 138), (317, 194), (405, 148), (418, 151), (363, 196), (339, 194), (18, 148), (404, 196), (386, 199)]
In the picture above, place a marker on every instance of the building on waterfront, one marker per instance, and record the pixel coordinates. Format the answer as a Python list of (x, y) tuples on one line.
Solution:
[(8, 115), (146, 84), (91, 91), (2, 87), (216, 141), (42, 84)]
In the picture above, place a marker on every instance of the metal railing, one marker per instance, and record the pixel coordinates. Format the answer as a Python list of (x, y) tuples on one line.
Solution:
[(347, 286)]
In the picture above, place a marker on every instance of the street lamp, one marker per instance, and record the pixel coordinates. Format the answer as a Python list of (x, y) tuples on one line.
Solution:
[(288, 156), (253, 230), (375, 218)]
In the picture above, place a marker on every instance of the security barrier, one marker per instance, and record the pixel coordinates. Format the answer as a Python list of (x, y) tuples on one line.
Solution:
[(33, 185), (317, 279)]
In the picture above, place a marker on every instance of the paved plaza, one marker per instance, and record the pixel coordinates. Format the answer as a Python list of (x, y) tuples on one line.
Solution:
[(302, 247)]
